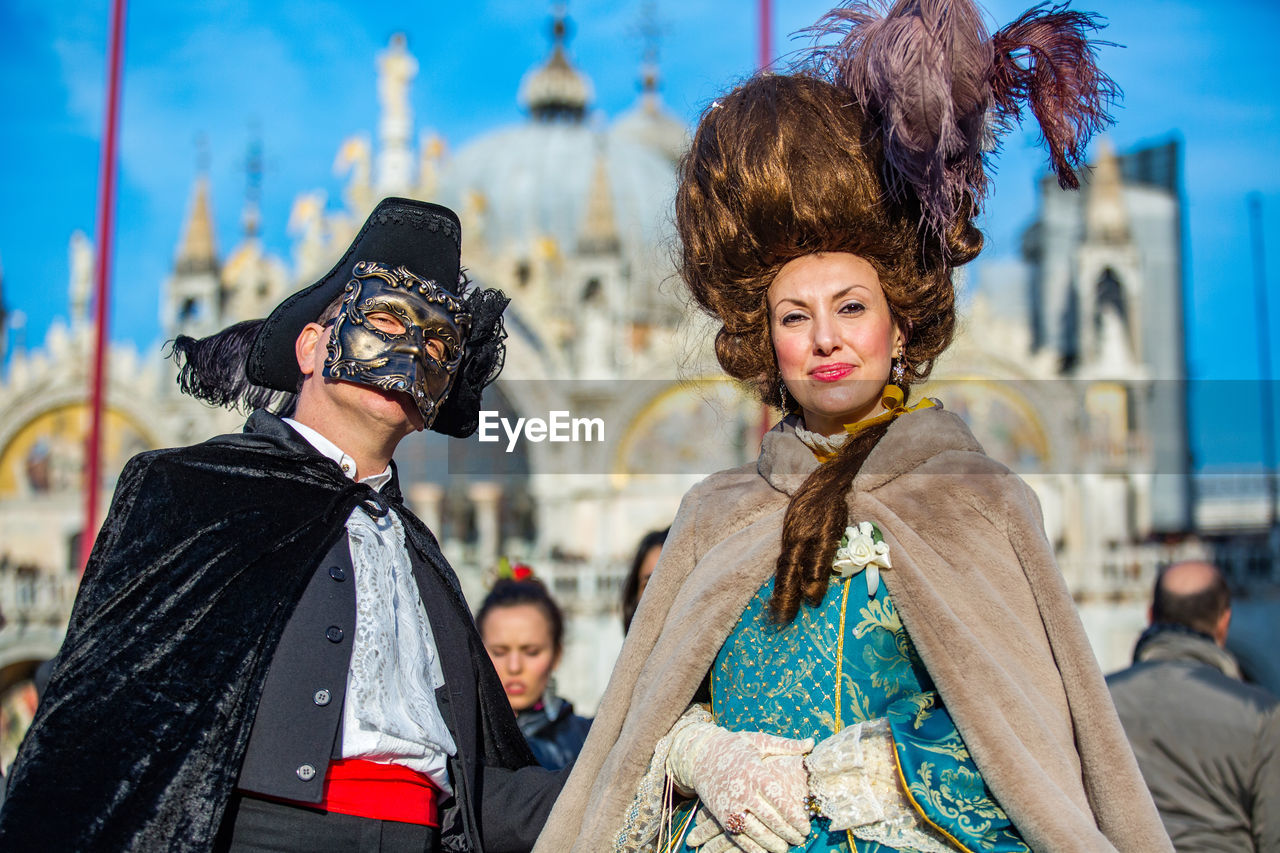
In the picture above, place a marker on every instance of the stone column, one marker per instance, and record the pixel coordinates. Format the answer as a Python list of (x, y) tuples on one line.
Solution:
[(426, 499), (486, 496)]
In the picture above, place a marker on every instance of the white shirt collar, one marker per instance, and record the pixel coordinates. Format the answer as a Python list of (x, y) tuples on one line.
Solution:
[(334, 452)]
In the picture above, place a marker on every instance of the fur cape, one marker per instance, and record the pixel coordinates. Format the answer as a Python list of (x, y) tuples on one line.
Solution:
[(138, 741), (975, 583)]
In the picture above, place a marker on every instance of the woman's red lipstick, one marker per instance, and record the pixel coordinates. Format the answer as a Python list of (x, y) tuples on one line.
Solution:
[(831, 372)]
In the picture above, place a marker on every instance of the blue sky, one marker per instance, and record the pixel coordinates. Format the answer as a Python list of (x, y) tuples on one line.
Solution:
[(303, 74)]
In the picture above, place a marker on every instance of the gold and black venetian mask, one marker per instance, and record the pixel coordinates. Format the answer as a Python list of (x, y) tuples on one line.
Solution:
[(398, 332)]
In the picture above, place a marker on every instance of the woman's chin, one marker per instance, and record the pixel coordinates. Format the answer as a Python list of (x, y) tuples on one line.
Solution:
[(830, 419)]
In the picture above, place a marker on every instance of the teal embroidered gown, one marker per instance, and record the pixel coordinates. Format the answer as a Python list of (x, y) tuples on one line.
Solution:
[(783, 681)]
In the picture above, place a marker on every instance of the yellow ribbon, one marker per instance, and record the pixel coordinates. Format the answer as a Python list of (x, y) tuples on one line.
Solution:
[(892, 399)]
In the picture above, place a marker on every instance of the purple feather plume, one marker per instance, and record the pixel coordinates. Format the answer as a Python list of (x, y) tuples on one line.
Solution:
[(927, 71), (1045, 59), (922, 68)]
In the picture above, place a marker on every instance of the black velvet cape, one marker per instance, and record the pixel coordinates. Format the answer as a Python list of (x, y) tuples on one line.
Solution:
[(138, 741)]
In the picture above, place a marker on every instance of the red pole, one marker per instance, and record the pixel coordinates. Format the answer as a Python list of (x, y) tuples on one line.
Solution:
[(102, 289), (766, 35)]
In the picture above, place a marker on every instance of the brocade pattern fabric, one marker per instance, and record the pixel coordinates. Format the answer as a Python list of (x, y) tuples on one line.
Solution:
[(783, 681)]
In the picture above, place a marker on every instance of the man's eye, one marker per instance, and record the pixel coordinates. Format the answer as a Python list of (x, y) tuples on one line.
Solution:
[(386, 323), (435, 349)]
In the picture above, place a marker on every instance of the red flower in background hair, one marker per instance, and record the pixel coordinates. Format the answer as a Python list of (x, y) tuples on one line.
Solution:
[(508, 570)]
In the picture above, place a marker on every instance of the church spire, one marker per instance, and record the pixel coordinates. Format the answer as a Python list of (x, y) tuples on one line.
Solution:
[(650, 30), (1106, 220), (397, 69), (4, 319), (648, 121), (599, 234), (251, 216), (197, 252)]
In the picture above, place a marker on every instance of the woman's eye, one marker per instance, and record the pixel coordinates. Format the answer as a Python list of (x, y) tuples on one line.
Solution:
[(852, 308), (792, 318)]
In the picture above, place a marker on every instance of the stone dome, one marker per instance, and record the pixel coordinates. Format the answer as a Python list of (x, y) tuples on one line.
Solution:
[(650, 123), (534, 180), (555, 182)]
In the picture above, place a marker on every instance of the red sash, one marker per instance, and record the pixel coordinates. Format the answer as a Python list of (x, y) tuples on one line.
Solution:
[(380, 791)]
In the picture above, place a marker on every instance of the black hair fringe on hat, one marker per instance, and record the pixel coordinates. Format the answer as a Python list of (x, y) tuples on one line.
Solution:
[(485, 353), (212, 370)]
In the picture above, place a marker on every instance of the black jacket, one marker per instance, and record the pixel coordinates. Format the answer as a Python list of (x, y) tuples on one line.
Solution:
[(554, 732), (205, 553)]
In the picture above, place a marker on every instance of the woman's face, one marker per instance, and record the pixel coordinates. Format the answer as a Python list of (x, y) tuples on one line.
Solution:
[(520, 645), (833, 336)]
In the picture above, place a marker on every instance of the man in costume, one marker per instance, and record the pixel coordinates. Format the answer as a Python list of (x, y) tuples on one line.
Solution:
[(268, 650), (1207, 743)]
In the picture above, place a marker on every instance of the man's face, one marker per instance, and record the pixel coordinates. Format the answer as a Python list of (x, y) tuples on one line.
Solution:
[(400, 333)]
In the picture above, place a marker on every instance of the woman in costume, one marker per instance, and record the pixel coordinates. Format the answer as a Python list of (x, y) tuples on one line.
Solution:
[(861, 641), (523, 630)]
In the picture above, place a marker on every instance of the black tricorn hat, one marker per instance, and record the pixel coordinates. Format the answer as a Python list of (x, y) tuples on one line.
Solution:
[(424, 238)]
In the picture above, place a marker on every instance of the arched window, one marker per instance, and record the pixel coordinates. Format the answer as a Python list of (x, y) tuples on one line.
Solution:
[(1109, 294)]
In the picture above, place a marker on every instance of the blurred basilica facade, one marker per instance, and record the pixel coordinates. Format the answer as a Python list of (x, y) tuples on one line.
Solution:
[(1070, 367), (569, 216)]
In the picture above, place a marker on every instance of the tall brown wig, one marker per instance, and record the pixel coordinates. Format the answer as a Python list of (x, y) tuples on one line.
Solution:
[(876, 148), (786, 166)]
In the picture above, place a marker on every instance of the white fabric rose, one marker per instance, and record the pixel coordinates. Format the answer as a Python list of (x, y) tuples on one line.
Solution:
[(862, 552)]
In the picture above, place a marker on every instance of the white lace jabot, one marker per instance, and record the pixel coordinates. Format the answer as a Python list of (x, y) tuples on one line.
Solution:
[(821, 445), (390, 713)]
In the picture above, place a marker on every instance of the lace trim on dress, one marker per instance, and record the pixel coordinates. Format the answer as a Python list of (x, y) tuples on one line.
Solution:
[(646, 820), (854, 782)]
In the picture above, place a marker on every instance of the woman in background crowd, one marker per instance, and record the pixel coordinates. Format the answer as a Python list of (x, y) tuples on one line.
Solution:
[(523, 629), (641, 568)]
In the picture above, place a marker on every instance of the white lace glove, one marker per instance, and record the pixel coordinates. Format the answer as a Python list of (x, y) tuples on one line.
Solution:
[(756, 802), (709, 835)]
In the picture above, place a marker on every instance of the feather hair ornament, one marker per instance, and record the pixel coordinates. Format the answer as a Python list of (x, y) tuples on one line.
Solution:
[(938, 85)]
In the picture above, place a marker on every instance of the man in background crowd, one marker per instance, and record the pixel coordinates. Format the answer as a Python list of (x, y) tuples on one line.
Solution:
[(1207, 743)]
